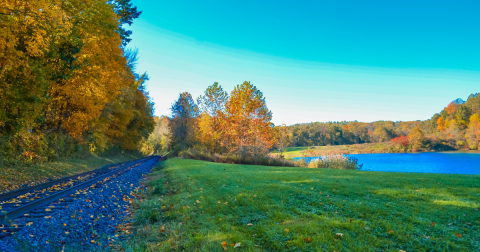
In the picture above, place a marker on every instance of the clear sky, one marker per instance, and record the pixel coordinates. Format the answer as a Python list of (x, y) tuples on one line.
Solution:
[(315, 60)]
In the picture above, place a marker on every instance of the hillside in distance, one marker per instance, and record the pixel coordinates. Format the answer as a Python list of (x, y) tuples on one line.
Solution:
[(455, 127)]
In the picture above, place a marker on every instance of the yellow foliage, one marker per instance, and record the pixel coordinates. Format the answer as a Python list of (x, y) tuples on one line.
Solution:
[(440, 124), (205, 133), (473, 132), (416, 138), (63, 69), (30, 32), (100, 78)]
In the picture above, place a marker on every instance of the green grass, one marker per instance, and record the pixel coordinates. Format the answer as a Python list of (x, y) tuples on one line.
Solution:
[(292, 151), (202, 204), (12, 177), (365, 148)]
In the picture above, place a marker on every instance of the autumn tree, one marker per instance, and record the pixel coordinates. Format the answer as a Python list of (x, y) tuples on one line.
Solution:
[(35, 38), (462, 116), (453, 129), (183, 122), (360, 132), (204, 134), (100, 77), (473, 103), (400, 143), (64, 71), (141, 124), (157, 141), (334, 134), (440, 124), (401, 140), (282, 138), (416, 139), (383, 134), (473, 132), (247, 127), (451, 108), (212, 105)]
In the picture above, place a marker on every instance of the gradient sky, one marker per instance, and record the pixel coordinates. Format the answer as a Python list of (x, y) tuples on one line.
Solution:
[(315, 60)]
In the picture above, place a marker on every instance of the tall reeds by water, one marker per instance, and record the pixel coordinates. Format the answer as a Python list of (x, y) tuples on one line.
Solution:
[(334, 161)]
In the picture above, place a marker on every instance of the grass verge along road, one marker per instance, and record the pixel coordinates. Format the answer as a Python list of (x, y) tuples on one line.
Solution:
[(11, 177)]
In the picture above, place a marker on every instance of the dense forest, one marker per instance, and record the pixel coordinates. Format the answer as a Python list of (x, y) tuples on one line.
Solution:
[(67, 82), (456, 127)]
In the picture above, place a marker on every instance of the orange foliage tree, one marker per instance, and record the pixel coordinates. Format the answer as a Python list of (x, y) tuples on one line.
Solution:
[(101, 75), (473, 132), (440, 124), (417, 139), (451, 108), (246, 124), (401, 140), (282, 137), (212, 104), (33, 40), (64, 71)]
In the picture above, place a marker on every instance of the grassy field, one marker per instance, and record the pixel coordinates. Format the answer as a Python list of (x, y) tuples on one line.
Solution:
[(293, 151), (12, 177), (195, 205), (366, 148)]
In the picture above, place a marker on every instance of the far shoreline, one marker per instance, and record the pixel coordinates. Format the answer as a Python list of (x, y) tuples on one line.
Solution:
[(298, 152)]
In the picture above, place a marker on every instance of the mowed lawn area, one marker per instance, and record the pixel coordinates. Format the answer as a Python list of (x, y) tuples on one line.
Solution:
[(202, 206), (293, 151)]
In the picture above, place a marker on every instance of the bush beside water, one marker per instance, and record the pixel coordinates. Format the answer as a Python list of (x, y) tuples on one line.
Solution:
[(337, 161)]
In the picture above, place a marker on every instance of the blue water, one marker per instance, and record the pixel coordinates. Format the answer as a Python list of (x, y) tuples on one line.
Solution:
[(430, 162)]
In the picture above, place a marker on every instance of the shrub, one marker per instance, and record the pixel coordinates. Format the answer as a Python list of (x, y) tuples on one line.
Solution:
[(301, 162), (401, 140), (335, 162)]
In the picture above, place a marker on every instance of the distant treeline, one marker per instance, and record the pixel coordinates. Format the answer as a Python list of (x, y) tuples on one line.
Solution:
[(67, 83), (240, 124), (457, 126)]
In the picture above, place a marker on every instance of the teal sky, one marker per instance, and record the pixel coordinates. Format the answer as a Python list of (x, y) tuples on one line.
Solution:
[(314, 60)]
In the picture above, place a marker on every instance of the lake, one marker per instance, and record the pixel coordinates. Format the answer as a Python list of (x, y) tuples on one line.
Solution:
[(430, 162)]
